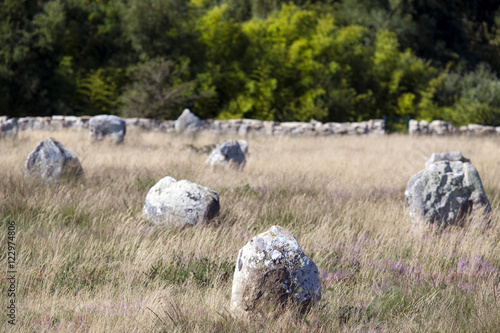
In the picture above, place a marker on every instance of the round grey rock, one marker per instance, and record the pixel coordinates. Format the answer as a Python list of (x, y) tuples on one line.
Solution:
[(180, 203), (445, 193), (51, 161), (271, 272), (227, 154), (188, 121), (102, 125)]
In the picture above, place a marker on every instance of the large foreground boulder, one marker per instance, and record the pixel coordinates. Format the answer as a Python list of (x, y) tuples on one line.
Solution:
[(227, 154), (51, 161), (446, 156), (188, 121), (446, 193), (102, 125), (271, 272), (180, 203)]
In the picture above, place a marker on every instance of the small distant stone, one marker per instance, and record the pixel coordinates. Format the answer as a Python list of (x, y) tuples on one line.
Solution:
[(227, 154), (188, 121), (271, 272), (446, 193), (180, 203), (243, 145), (51, 161), (102, 125), (9, 128), (447, 156)]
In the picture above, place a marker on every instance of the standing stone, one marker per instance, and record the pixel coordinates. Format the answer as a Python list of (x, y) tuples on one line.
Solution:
[(188, 121), (227, 154), (9, 128), (51, 161), (180, 203), (447, 156), (243, 145), (271, 272), (102, 125), (444, 194)]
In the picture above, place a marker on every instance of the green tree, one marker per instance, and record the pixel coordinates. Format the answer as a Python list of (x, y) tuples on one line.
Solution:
[(159, 90)]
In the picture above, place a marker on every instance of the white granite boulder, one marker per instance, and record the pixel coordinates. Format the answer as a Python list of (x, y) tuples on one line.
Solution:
[(180, 203), (446, 156), (9, 128), (188, 121), (227, 154), (102, 125), (271, 272), (446, 193), (51, 161)]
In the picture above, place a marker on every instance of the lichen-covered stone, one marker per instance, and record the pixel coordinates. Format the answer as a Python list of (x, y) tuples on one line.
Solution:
[(102, 125), (188, 121), (227, 154), (445, 193), (51, 161), (446, 156), (180, 203), (271, 272)]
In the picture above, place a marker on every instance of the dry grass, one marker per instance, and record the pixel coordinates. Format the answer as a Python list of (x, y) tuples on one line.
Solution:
[(88, 262)]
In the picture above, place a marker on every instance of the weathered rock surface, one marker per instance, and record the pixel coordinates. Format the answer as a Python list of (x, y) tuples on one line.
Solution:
[(102, 125), (227, 154), (272, 271), (180, 203), (188, 121), (243, 145), (9, 128), (446, 156), (51, 161), (445, 193)]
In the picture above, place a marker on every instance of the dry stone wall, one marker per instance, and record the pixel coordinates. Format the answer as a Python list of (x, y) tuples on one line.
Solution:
[(375, 127), (233, 126), (440, 127)]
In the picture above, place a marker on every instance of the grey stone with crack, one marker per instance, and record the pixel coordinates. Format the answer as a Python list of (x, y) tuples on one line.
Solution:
[(446, 193), (51, 161)]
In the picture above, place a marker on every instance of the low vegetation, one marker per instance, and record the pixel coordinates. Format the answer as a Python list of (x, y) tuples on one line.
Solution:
[(88, 261)]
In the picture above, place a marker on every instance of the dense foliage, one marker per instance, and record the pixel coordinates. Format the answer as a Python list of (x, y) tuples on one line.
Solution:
[(342, 60)]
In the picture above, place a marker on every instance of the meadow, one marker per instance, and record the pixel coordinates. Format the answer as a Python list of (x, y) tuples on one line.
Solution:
[(87, 261)]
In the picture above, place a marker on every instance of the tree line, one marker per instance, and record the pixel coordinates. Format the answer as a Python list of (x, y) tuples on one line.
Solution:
[(343, 60)]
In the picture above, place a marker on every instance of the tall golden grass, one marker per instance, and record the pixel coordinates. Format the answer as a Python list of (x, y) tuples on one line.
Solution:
[(88, 262)]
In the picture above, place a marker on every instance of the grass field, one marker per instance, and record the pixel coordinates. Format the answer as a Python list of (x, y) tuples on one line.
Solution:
[(88, 262)]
